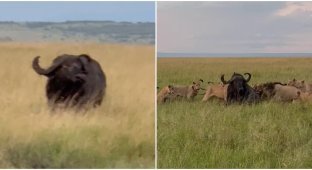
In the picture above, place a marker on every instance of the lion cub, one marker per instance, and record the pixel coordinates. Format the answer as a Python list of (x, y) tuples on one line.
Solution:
[(164, 94)]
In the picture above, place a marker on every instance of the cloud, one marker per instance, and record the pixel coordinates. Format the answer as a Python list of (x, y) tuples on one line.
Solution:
[(232, 27), (293, 8)]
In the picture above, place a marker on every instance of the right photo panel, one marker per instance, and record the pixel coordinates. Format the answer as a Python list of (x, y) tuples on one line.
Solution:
[(234, 84)]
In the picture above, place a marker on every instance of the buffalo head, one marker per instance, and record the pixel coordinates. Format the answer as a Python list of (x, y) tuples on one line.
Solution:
[(237, 81), (238, 89), (73, 80), (65, 68)]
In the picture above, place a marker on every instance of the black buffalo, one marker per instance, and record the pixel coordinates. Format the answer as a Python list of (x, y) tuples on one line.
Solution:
[(239, 91), (73, 81)]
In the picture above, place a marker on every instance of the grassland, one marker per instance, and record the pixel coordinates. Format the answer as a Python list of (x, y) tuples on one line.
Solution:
[(119, 134), (211, 135)]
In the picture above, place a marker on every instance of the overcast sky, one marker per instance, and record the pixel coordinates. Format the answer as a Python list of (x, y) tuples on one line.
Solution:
[(64, 11), (234, 27)]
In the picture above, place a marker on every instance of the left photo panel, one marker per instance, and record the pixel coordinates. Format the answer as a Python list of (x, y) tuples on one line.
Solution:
[(77, 85)]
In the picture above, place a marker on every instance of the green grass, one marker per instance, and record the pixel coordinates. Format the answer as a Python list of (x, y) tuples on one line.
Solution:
[(211, 135)]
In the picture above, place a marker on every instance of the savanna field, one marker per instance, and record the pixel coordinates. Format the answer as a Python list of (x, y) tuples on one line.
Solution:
[(192, 134), (118, 134)]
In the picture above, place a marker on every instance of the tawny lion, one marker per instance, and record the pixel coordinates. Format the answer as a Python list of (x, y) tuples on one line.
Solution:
[(164, 94)]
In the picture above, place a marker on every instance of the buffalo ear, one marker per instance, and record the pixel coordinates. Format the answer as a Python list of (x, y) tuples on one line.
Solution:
[(85, 60), (194, 82), (169, 86)]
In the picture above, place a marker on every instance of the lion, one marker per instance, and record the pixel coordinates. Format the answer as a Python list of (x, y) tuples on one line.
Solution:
[(164, 94)]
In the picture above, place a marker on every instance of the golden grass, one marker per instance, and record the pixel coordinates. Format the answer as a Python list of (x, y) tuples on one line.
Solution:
[(127, 110)]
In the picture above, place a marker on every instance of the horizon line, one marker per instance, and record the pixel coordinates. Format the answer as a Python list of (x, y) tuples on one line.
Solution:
[(233, 55), (8, 21)]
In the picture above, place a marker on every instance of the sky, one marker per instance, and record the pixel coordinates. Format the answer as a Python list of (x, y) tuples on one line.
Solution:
[(65, 11), (234, 27)]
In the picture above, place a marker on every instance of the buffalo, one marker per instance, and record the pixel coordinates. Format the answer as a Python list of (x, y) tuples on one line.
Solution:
[(73, 81), (239, 91)]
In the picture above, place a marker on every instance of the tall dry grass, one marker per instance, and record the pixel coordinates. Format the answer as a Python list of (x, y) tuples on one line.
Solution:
[(120, 133)]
